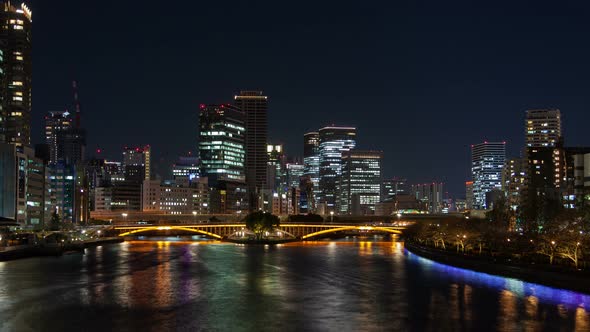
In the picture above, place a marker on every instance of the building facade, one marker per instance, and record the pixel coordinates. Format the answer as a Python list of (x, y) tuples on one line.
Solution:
[(311, 156), (393, 187), (513, 181), (24, 187), (222, 156), (333, 142), (137, 163), (360, 184), (254, 105), (429, 196), (487, 164), (543, 128), (181, 196), (16, 39)]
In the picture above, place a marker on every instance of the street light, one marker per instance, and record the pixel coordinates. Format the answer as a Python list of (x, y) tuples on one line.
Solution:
[(194, 216), (124, 216), (331, 216)]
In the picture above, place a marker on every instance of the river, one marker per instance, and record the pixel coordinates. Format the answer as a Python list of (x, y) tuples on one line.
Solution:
[(355, 284)]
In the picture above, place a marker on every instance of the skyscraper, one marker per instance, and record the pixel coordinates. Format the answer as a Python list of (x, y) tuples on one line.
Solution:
[(222, 153), (275, 166), (333, 142), (221, 143), (360, 185), (546, 169), (487, 164), (543, 127), (255, 107), (311, 156), (55, 123), (15, 36), (513, 180)]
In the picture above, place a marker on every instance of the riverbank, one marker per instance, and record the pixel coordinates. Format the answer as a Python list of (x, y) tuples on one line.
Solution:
[(26, 251), (578, 281)]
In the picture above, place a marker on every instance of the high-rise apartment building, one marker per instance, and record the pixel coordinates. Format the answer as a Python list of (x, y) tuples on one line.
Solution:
[(487, 164), (546, 171), (543, 128), (513, 181), (254, 104), (360, 184), (15, 36), (333, 142)]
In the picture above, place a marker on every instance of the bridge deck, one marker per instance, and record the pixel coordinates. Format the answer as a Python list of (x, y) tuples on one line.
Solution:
[(297, 230)]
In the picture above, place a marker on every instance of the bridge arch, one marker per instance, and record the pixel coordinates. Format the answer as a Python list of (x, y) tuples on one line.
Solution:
[(181, 228), (349, 228)]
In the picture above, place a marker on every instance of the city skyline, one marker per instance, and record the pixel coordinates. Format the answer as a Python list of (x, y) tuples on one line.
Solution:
[(396, 79)]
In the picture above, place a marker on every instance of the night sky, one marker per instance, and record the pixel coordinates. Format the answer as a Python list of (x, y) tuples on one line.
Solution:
[(421, 80)]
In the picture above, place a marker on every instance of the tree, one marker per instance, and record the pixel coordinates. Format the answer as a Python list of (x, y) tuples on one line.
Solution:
[(500, 215), (260, 222), (547, 246), (55, 222)]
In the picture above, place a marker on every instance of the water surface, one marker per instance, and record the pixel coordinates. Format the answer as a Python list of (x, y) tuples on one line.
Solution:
[(349, 285)]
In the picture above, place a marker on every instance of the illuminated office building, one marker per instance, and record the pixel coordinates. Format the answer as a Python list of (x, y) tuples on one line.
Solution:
[(393, 187), (360, 184), (275, 166), (23, 186), (311, 156), (222, 157), (333, 142), (293, 174), (487, 164), (186, 167)]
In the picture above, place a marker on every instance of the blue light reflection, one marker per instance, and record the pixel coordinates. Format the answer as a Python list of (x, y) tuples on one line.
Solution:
[(518, 287)]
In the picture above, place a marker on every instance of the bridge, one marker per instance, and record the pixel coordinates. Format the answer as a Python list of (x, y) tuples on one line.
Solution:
[(221, 231)]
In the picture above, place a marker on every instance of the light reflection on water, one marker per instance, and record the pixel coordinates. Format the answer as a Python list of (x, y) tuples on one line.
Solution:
[(349, 285), (516, 287)]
